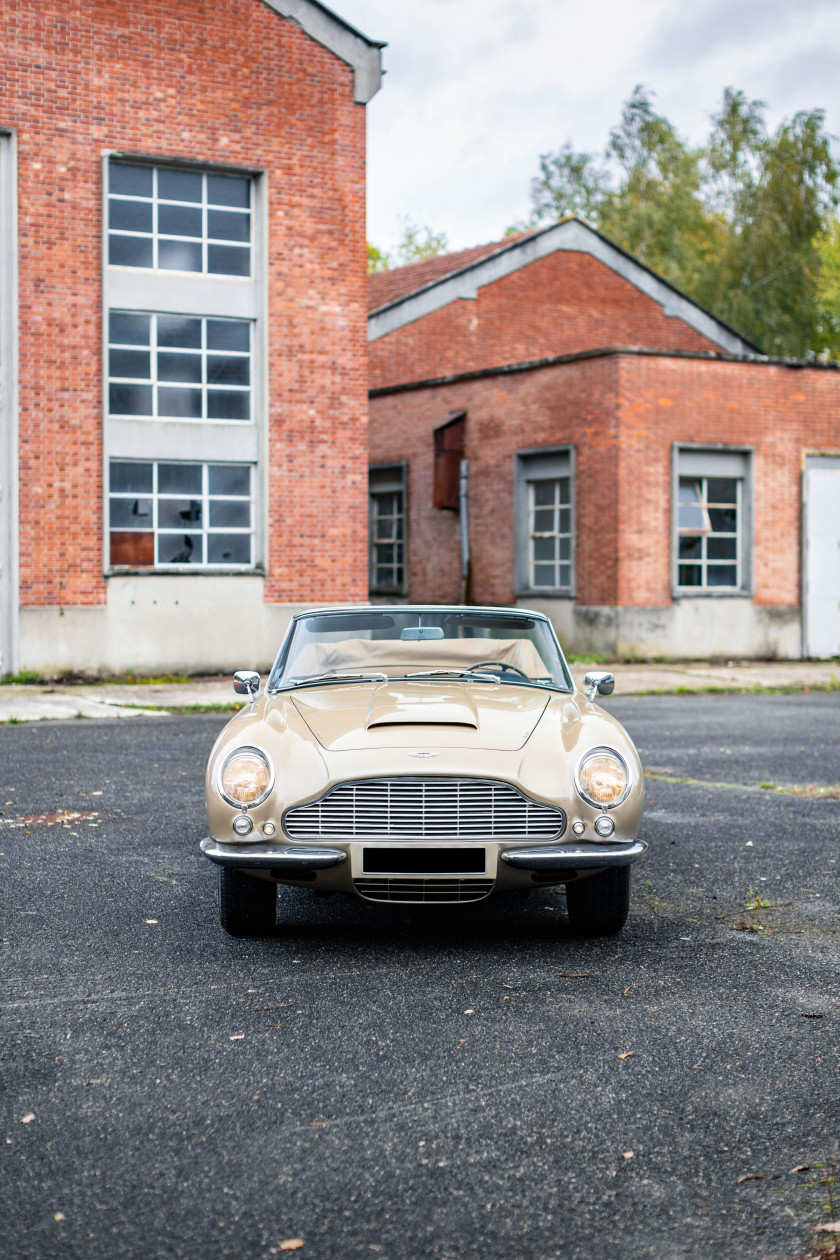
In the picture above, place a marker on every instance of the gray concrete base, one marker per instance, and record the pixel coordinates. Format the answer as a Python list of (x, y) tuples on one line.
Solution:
[(718, 626), (160, 623)]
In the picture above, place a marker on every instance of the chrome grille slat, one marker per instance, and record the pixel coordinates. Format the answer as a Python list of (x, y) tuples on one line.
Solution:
[(424, 809), (423, 890)]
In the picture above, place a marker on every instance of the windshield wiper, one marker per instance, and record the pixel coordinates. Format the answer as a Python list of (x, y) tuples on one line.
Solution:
[(455, 673), (336, 676)]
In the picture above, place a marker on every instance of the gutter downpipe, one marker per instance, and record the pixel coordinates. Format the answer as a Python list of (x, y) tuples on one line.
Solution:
[(463, 507)]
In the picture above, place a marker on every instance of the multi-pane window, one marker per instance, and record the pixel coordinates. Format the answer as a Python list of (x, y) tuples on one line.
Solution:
[(387, 529), (550, 515), (196, 515), (708, 520), (170, 219), (387, 560), (178, 367)]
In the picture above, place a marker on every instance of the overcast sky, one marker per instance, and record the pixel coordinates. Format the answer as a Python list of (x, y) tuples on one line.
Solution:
[(475, 90)]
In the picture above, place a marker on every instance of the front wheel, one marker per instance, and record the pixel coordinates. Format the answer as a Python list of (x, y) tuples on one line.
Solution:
[(247, 907), (598, 906)]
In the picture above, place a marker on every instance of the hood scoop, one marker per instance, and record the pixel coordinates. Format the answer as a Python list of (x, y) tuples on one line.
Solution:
[(421, 704)]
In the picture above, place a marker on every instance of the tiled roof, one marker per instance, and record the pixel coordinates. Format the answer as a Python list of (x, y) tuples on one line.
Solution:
[(388, 286)]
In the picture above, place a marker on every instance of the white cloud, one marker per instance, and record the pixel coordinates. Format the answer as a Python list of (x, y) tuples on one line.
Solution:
[(477, 89)]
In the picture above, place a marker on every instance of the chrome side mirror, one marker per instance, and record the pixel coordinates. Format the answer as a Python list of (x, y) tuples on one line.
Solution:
[(246, 683), (599, 684)]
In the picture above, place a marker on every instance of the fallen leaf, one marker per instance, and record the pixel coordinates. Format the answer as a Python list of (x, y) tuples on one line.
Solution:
[(508, 986), (812, 1014), (627, 1154), (237, 1037), (319, 1124), (469, 1012), (58, 1216), (96, 793), (801, 1168), (750, 1177), (830, 1227), (628, 1054), (151, 921), (576, 975), (28, 1118), (627, 990), (291, 1244)]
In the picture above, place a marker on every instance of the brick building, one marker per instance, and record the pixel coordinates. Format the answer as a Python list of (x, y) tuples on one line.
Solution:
[(634, 467), (183, 398)]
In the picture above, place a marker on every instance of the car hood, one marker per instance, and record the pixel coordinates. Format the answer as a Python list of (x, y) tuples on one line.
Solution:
[(424, 714)]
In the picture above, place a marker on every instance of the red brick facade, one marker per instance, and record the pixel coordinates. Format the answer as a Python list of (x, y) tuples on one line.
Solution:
[(230, 82), (634, 394), (622, 413), (561, 304)]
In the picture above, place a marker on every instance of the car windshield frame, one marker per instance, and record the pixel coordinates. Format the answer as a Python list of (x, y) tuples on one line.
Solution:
[(481, 618)]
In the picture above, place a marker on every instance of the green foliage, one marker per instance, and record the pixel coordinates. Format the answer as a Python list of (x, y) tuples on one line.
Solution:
[(377, 259), (745, 224), (416, 243)]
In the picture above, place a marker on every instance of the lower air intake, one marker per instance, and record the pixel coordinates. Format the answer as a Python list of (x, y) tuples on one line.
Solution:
[(428, 891)]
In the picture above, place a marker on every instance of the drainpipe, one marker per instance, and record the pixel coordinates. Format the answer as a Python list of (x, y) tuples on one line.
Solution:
[(463, 506)]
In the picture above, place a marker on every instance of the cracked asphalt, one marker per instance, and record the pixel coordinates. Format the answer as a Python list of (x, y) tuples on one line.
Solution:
[(399, 1083)]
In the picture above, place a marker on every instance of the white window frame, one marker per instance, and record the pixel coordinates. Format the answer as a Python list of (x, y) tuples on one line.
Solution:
[(387, 479), (551, 463), (206, 530), (204, 206), (699, 462), (144, 291), (201, 353)]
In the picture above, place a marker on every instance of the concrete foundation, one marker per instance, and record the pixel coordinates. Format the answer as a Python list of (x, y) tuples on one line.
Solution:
[(687, 629), (160, 623)]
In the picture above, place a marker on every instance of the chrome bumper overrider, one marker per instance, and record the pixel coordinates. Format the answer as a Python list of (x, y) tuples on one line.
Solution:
[(575, 857), (271, 858)]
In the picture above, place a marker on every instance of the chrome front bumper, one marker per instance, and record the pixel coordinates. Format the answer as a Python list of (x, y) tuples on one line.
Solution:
[(256, 857), (574, 857)]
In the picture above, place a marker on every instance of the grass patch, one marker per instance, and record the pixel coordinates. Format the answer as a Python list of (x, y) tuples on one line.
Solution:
[(811, 791)]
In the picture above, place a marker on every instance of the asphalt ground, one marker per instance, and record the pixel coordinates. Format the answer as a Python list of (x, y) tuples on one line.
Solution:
[(394, 1082)]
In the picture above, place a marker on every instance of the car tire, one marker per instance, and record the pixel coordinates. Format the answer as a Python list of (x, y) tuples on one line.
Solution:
[(247, 907), (598, 906)]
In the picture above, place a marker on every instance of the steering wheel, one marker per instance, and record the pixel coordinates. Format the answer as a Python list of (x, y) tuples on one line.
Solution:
[(502, 665)]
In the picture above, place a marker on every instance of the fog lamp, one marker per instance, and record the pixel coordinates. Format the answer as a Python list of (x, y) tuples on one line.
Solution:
[(242, 825), (604, 826)]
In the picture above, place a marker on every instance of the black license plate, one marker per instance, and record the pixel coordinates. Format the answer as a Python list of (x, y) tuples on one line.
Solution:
[(403, 861)]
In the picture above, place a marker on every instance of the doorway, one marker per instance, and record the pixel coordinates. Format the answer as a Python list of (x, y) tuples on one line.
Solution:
[(822, 556)]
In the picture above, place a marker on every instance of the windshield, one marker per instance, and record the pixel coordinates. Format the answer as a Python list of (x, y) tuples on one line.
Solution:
[(438, 643)]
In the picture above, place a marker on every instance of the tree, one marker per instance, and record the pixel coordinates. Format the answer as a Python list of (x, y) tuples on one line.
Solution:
[(377, 259), (744, 224), (418, 243)]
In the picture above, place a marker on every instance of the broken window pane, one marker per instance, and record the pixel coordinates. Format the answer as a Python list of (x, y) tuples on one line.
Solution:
[(228, 548), (127, 513), (180, 549), (178, 513)]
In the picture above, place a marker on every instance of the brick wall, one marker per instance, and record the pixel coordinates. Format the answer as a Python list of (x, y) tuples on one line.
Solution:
[(622, 412), (560, 304), (229, 82)]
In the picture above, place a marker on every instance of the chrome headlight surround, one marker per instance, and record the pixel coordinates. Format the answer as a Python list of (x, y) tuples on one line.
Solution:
[(252, 751), (603, 751)]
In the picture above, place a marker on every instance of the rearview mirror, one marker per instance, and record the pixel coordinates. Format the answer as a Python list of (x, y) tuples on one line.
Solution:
[(246, 683), (600, 684)]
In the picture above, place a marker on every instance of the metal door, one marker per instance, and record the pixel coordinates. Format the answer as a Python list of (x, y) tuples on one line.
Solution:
[(822, 556)]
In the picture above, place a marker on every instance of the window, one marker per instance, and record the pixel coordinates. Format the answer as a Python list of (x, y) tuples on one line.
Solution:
[(387, 526), (178, 367), (551, 533), (711, 502), (196, 515), (544, 557), (709, 508), (170, 219)]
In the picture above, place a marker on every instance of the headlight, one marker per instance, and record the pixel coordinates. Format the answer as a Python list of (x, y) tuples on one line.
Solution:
[(602, 778), (247, 777)]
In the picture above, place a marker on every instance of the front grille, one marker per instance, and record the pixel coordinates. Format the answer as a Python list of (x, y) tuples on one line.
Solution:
[(424, 809), (424, 890)]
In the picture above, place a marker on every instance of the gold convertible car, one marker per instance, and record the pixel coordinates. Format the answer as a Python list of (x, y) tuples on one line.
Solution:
[(423, 755)]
